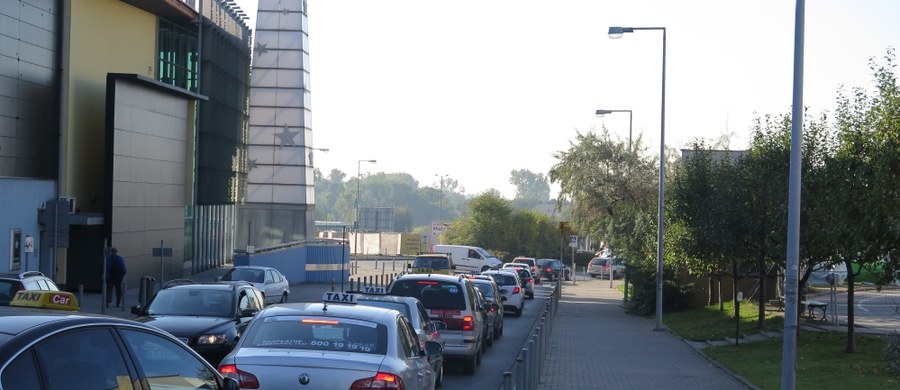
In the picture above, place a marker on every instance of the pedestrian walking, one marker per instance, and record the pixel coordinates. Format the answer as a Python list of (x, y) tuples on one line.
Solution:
[(115, 272)]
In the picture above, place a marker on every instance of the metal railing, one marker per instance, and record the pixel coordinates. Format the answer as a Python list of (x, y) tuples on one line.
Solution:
[(526, 372)]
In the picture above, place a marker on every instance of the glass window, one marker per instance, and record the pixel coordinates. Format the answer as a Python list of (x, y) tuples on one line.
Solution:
[(22, 373), (91, 355), (168, 364), (433, 294), (318, 333)]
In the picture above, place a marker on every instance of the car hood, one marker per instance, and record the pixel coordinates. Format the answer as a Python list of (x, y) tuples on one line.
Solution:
[(187, 326)]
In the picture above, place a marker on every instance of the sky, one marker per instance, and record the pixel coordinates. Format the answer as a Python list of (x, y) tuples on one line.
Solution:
[(474, 89)]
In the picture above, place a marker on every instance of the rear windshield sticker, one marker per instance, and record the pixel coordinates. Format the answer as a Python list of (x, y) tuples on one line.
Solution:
[(453, 290)]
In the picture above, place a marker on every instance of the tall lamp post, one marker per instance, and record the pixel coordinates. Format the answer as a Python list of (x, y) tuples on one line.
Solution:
[(616, 33), (605, 112), (356, 224), (441, 218)]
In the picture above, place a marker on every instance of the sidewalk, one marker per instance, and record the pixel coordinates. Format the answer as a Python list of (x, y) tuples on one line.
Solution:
[(596, 345)]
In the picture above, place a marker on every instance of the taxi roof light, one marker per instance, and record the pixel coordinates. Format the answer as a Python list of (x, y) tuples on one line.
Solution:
[(60, 300)]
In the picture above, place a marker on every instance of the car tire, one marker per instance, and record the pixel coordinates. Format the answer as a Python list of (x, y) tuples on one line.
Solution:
[(284, 297), (519, 312), (439, 376), (489, 341), (470, 365), (479, 354), (497, 332)]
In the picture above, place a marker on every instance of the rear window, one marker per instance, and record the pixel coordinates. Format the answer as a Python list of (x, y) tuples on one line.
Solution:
[(8, 289), (431, 262), (401, 307), (486, 289), (530, 262), (318, 333), (432, 293), (503, 279)]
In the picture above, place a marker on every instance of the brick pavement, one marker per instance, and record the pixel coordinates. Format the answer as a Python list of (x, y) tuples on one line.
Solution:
[(596, 345)]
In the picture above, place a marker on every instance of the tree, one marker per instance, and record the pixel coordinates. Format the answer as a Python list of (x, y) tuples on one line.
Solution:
[(487, 224), (532, 188)]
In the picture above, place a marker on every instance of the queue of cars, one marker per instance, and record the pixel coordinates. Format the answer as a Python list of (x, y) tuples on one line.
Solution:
[(222, 335)]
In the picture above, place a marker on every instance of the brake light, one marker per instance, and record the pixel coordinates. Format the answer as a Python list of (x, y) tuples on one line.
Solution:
[(468, 323), (246, 379), (321, 322), (515, 290), (530, 280), (549, 270), (426, 282), (381, 380)]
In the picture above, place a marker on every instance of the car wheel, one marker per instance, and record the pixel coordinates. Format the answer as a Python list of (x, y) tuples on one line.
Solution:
[(470, 365), (283, 297), (615, 275), (498, 330), (489, 340), (479, 354), (519, 312), (439, 376)]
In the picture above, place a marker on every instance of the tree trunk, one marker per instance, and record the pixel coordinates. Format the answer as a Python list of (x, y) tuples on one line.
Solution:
[(762, 293), (709, 292), (719, 291), (850, 312)]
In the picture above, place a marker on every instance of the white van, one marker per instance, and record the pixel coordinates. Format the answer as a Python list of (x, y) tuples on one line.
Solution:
[(469, 258)]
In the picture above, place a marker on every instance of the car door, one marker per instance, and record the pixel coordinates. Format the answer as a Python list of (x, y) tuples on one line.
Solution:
[(90, 354), (272, 293), (417, 369), (161, 360)]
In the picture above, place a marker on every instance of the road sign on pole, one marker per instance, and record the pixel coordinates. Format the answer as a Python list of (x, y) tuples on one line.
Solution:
[(573, 241)]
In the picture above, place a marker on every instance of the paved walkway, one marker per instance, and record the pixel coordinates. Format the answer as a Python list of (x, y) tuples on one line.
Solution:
[(596, 345)]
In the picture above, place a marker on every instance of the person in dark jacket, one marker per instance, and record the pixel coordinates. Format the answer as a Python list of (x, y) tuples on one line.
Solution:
[(115, 272)]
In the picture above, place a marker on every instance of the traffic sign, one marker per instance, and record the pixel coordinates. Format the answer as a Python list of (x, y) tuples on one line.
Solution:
[(573, 241), (29, 244)]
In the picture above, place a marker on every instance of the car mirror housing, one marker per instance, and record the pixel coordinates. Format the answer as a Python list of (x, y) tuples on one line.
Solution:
[(439, 325), (249, 312), (136, 310), (433, 348)]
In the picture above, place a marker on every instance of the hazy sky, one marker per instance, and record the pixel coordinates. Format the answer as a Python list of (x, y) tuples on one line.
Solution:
[(474, 89)]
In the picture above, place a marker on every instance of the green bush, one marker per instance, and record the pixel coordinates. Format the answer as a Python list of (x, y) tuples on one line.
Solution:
[(642, 298), (892, 353)]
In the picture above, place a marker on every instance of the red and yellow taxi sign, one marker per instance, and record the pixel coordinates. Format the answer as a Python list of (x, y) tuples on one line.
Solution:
[(60, 300)]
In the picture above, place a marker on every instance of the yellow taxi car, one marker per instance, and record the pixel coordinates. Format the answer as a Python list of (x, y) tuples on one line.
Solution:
[(433, 263), (46, 343)]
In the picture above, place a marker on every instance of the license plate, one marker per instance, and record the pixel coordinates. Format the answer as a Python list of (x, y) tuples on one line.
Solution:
[(444, 312)]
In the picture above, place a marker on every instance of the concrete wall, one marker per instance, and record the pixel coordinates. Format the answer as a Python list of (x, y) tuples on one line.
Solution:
[(18, 211), (303, 264)]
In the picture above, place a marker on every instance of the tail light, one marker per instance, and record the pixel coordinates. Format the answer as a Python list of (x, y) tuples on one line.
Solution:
[(381, 380), (515, 290), (468, 323), (548, 269), (246, 379), (530, 280)]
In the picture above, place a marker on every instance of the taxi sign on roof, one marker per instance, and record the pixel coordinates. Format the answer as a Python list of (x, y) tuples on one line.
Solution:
[(337, 297), (60, 300), (373, 289)]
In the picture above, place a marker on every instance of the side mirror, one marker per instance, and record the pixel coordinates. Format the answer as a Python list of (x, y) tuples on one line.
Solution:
[(502, 298), (136, 310), (231, 384), (452, 267), (438, 325), (249, 312), (495, 306), (433, 348)]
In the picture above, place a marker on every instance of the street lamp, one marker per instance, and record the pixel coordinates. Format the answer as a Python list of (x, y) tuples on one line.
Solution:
[(616, 33), (442, 196), (605, 112), (356, 230)]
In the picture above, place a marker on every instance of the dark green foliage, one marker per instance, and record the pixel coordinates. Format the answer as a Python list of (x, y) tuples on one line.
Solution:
[(676, 294), (892, 353)]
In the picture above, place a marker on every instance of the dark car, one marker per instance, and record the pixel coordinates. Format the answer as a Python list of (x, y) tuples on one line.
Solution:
[(42, 348), (491, 293), (11, 283), (553, 269), (208, 317)]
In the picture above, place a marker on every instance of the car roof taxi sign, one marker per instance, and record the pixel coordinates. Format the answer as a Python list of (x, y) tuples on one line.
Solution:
[(60, 300)]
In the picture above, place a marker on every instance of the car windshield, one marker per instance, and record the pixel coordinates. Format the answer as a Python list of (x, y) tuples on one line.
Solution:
[(523, 273), (192, 302), (431, 262), (433, 294), (398, 306), (318, 333), (247, 274)]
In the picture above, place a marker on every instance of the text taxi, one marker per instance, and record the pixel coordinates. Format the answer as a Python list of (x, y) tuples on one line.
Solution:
[(45, 343)]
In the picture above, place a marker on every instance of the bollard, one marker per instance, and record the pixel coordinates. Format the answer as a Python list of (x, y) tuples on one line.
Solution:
[(393, 264), (507, 380), (540, 352), (532, 383), (376, 263), (382, 268), (520, 371)]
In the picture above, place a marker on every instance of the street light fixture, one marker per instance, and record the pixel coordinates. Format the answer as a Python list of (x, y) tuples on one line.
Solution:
[(356, 224), (442, 196), (616, 33), (605, 112)]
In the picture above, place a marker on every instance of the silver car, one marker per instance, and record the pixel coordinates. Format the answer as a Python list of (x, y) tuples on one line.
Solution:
[(330, 346), (274, 286), (426, 328)]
